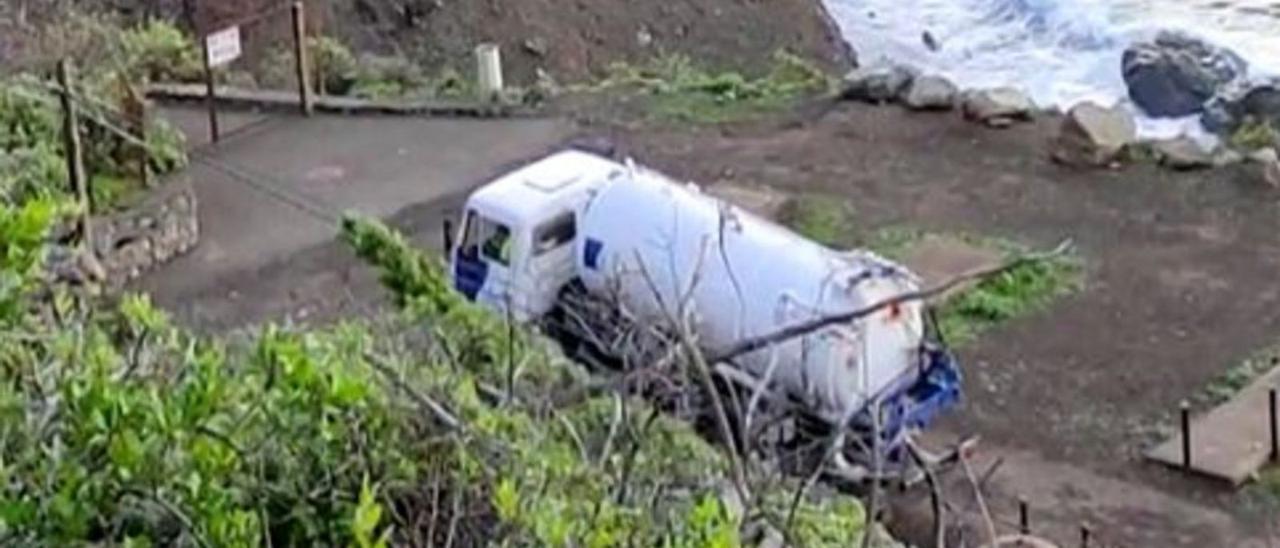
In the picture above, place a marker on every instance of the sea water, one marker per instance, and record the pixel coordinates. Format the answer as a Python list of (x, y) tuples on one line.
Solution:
[(1060, 52)]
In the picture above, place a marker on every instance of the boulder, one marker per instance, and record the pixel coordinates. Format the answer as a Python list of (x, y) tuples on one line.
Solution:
[(876, 84), (1181, 153), (930, 93), (1271, 173), (1270, 162), (1175, 74), (997, 107), (1093, 135), (1231, 107)]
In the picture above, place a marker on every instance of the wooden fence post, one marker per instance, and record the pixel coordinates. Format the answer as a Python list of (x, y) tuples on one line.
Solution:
[(210, 91), (74, 154), (300, 57)]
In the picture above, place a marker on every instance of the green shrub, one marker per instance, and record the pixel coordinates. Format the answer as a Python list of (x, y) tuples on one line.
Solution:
[(160, 52), (1255, 134), (381, 77)]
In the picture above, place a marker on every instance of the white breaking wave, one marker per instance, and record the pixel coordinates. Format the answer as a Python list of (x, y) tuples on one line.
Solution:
[(1060, 52)]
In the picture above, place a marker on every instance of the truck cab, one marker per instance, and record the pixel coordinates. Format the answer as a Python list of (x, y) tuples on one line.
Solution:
[(514, 250)]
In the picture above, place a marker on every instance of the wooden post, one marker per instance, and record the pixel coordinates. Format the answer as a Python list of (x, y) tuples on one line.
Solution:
[(210, 91), (74, 154), (1185, 412), (1275, 425), (1024, 517), (300, 58)]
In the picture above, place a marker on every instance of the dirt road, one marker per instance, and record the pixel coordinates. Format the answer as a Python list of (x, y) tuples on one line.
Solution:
[(272, 192)]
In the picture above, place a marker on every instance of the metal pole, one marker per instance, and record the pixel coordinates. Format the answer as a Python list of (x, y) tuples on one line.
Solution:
[(210, 92), (448, 237), (1275, 426), (1186, 434), (1024, 517), (75, 159), (300, 57)]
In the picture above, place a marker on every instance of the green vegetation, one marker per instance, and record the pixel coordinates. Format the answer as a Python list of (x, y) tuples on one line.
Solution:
[(966, 315), (1224, 386), (683, 91), (32, 161), (1255, 134), (822, 219), (119, 428), (1023, 290), (339, 71)]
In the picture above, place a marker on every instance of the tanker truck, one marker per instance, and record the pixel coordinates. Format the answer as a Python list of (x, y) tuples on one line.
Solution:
[(575, 223)]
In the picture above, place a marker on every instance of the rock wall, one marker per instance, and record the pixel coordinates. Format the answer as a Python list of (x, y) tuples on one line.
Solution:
[(155, 231)]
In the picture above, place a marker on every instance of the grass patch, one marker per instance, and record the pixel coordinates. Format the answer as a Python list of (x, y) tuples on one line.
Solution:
[(968, 314), (1254, 134), (821, 219), (1225, 386), (1018, 292), (684, 91)]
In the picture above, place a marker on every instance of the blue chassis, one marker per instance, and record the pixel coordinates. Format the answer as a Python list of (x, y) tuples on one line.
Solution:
[(913, 402)]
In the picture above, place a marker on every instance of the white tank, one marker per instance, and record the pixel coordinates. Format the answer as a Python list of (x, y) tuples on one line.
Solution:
[(753, 278)]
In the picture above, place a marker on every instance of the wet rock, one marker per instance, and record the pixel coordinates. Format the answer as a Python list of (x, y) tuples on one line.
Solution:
[(1182, 153), (1176, 74), (930, 41), (1093, 135), (876, 84), (1242, 101), (930, 93), (536, 46), (997, 107), (1226, 157)]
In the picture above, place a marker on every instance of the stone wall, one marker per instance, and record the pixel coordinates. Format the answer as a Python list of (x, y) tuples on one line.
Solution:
[(161, 227)]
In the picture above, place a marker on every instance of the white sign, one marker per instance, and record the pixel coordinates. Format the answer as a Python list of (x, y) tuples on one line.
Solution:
[(223, 46)]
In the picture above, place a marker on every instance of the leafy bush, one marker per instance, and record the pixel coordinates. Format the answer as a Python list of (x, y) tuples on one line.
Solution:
[(117, 427), (380, 77), (159, 51)]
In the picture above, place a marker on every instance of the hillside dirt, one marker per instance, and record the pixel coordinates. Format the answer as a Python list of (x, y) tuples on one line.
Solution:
[(1180, 284), (572, 39)]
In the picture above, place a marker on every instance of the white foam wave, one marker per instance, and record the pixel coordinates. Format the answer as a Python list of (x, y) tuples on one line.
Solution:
[(1060, 52)]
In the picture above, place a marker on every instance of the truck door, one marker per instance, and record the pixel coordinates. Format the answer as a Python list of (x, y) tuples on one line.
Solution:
[(483, 259), (551, 264)]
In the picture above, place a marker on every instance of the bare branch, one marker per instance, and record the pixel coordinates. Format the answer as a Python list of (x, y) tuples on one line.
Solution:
[(441, 414), (756, 343)]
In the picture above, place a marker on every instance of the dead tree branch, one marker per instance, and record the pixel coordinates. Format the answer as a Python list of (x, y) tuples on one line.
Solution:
[(756, 343), (441, 414)]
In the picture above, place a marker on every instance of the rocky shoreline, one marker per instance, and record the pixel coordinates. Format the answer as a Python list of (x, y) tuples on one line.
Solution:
[(1172, 76)]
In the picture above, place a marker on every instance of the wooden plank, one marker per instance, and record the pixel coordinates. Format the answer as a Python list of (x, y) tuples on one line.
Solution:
[(1232, 441)]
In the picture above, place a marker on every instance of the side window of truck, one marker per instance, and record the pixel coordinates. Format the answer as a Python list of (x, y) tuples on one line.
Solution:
[(555, 234), (488, 238)]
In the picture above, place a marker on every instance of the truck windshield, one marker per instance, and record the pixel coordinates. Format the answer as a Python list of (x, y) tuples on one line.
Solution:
[(488, 238), (554, 234)]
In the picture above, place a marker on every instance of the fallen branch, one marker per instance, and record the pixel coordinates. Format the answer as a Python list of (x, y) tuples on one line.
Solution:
[(441, 414), (756, 343)]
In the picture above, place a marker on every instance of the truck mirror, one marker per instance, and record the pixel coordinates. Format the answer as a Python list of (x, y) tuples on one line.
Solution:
[(448, 237)]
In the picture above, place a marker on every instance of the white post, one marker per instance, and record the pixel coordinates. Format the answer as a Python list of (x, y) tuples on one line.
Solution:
[(489, 71)]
